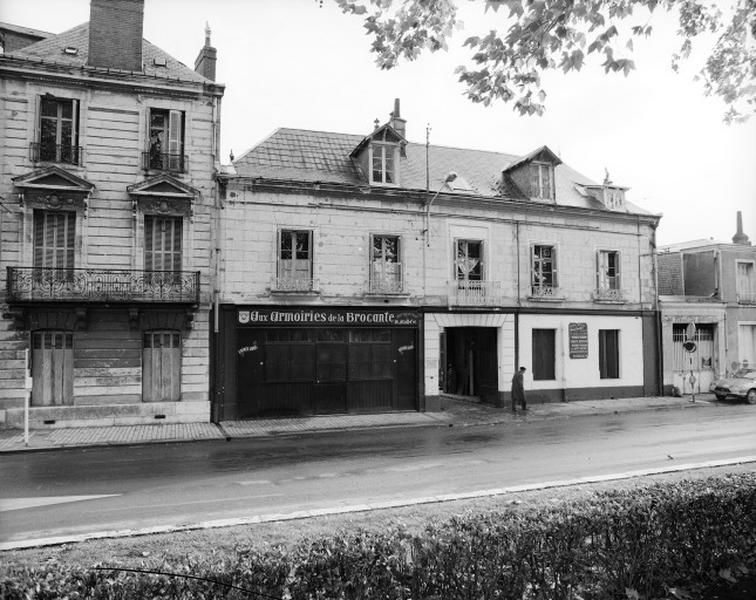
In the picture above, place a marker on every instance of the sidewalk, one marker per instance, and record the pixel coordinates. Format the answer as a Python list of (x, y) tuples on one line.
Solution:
[(457, 412)]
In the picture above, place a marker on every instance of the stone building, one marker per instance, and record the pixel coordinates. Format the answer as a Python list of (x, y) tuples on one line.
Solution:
[(711, 285), (365, 273), (107, 186)]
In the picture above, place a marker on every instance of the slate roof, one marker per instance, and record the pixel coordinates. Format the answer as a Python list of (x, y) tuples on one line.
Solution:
[(320, 156), (51, 49)]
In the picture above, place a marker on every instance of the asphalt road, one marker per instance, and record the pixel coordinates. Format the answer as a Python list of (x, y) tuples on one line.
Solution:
[(68, 493)]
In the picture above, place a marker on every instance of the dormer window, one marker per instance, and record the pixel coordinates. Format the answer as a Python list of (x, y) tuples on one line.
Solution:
[(541, 180), (383, 161)]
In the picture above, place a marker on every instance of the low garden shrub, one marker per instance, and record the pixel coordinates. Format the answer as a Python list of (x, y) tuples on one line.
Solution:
[(661, 541)]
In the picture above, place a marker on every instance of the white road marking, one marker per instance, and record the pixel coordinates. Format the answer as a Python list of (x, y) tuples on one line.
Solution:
[(21, 503), (254, 482)]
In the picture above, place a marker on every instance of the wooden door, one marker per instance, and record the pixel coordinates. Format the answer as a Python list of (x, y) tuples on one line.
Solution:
[(52, 368), (161, 366)]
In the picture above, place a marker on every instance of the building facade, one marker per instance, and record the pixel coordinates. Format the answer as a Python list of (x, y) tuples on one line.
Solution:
[(711, 285), (107, 182), (365, 273)]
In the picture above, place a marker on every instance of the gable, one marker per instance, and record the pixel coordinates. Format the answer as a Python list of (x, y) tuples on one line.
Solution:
[(53, 178), (163, 185)]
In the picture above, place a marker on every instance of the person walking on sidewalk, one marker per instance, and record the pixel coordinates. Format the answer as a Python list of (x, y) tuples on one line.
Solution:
[(518, 390)]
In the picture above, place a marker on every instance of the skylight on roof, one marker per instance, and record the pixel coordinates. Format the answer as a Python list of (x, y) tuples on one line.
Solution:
[(159, 62), (71, 50)]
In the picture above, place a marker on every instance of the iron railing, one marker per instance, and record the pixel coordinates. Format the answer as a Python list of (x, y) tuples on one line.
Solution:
[(608, 294), (42, 284), (746, 297), (386, 278), (292, 284), (544, 292), (57, 153), (163, 161), (477, 293)]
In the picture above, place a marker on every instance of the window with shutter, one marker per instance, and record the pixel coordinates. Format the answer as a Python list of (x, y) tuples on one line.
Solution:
[(54, 239), (166, 141), (295, 260), (608, 274), (385, 265), (543, 270), (162, 243)]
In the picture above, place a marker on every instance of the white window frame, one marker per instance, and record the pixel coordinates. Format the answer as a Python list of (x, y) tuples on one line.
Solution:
[(175, 143), (745, 295), (545, 172), (75, 118), (287, 278), (375, 278), (603, 280), (385, 148), (554, 266)]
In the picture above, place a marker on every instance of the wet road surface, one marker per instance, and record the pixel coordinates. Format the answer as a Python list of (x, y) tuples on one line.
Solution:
[(78, 491)]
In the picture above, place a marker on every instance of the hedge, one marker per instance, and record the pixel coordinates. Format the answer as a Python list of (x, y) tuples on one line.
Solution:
[(660, 541)]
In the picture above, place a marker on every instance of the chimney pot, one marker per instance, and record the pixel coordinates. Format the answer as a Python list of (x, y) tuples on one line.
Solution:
[(740, 237), (207, 57), (396, 121)]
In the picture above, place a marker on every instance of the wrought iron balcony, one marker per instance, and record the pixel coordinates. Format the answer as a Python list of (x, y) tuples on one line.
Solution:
[(292, 284), (608, 294), (544, 292), (163, 161), (42, 284), (386, 278), (57, 153), (476, 293), (746, 297)]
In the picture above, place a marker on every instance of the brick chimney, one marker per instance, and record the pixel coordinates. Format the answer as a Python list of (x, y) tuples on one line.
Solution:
[(396, 121), (115, 34), (205, 63), (740, 237)]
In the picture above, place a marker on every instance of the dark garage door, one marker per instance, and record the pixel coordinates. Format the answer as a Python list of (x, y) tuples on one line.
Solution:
[(325, 371)]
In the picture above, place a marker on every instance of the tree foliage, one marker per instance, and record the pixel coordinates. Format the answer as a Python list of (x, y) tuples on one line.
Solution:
[(543, 35)]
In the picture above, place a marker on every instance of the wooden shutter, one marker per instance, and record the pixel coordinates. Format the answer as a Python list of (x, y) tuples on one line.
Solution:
[(162, 243), (52, 368), (544, 354), (54, 239), (175, 140), (161, 366), (609, 353)]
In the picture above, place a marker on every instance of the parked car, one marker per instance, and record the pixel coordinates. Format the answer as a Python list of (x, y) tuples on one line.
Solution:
[(742, 384)]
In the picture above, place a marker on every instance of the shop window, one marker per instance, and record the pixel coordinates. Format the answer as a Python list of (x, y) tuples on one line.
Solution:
[(543, 270), (609, 353), (58, 131), (161, 366), (52, 368), (294, 261), (385, 265), (544, 355), (165, 151)]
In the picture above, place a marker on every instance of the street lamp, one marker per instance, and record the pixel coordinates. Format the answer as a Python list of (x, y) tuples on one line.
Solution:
[(451, 176)]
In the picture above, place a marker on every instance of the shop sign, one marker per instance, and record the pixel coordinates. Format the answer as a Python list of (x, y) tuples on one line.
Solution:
[(327, 317), (578, 340)]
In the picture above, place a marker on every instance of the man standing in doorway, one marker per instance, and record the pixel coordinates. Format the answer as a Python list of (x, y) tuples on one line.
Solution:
[(518, 390)]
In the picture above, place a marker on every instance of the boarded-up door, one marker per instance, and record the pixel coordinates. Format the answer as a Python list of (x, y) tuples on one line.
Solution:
[(161, 366), (52, 368)]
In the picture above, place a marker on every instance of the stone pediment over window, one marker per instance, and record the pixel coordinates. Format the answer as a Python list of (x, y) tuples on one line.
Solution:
[(53, 188), (163, 195)]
